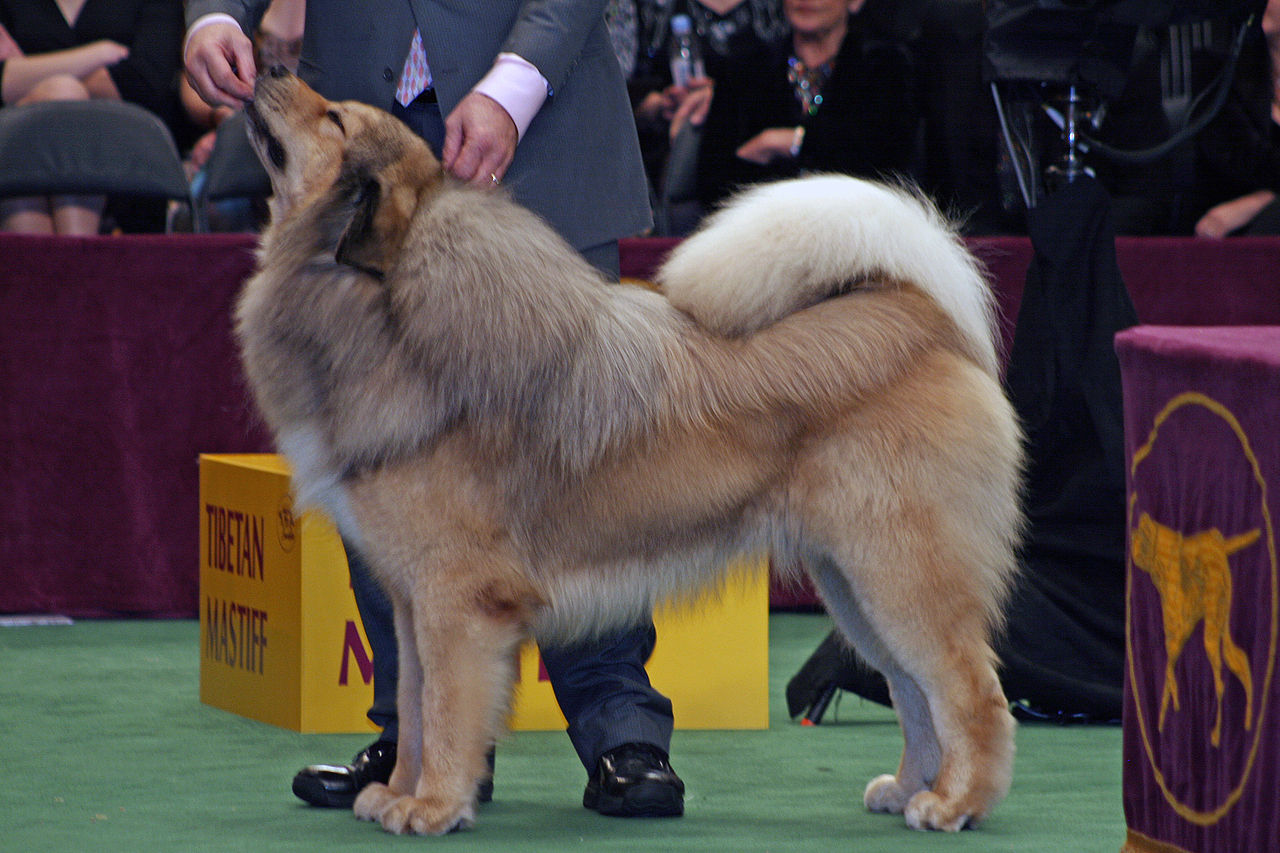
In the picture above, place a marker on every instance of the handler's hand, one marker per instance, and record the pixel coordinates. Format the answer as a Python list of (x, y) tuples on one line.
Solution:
[(219, 63), (479, 140)]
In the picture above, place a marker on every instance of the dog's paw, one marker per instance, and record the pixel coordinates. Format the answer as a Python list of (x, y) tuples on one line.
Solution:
[(885, 795), (373, 800), (404, 815), (411, 815), (927, 810)]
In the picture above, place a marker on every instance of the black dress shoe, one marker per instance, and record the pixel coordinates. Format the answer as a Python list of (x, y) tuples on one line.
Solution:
[(635, 780), (336, 786)]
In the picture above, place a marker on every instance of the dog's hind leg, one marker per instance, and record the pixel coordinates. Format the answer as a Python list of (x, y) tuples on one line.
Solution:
[(921, 754), (958, 752), (911, 505), (465, 626)]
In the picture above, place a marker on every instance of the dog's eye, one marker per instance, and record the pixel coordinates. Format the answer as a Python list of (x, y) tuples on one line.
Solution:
[(336, 119)]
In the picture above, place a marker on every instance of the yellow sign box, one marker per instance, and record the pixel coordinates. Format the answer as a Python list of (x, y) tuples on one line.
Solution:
[(280, 636), (711, 661), (281, 640)]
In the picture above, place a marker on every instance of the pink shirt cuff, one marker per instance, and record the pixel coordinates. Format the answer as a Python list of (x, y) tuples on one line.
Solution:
[(201, 22), (518, 86)]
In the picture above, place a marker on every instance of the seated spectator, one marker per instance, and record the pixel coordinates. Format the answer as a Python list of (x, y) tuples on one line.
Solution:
[(74, 50), (727, 31), (835, 95), (1238, 154)]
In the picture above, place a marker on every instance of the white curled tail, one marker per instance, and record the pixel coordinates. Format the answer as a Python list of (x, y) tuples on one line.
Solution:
[(779, 247)]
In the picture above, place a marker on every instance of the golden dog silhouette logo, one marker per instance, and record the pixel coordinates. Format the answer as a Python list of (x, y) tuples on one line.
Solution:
[(1193, 578), (1200, 532)]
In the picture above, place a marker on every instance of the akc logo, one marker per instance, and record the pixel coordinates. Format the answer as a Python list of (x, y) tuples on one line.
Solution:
[(286, 524), (1196, 521)]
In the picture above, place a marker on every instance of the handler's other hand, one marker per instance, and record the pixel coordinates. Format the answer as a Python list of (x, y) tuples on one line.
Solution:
[(479, 140)]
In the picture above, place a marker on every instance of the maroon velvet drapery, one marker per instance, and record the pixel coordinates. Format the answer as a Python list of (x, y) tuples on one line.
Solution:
[(118, 367)]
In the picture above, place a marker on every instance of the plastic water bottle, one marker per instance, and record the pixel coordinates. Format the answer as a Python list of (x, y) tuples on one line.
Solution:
[(686, 55)]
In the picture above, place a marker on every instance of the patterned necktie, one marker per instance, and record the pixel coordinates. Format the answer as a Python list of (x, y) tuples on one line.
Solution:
[(415, 78)]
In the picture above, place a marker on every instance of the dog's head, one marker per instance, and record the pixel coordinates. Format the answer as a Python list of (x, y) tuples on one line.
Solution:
[(358, 169)]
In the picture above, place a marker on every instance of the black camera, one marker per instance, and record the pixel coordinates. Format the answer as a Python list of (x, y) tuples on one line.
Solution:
[(1063, 60), (1088, 43)]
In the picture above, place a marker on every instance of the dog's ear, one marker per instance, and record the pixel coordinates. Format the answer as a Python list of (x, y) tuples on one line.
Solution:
[(358, 245), (379, 218)]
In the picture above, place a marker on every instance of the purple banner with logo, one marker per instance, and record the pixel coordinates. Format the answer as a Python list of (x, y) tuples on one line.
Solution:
[(1201, 732)]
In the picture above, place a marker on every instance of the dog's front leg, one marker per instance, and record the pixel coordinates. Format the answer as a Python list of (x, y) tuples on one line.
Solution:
[(377, 799), (457, 639), (404, 779)]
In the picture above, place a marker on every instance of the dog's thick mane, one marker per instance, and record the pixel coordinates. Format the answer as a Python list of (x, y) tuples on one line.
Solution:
[(526, 332)]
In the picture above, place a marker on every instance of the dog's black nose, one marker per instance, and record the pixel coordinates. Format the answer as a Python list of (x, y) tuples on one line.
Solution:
[(278, 71)]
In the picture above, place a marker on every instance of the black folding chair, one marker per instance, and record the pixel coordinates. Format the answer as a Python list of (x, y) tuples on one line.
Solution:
[(95, 147), (233, 171)]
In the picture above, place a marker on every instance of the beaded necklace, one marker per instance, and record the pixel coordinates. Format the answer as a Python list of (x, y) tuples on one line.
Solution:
[(808, 82)]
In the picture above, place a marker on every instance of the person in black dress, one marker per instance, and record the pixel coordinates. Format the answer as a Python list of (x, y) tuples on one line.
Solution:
[(834, 95), (79, 49)]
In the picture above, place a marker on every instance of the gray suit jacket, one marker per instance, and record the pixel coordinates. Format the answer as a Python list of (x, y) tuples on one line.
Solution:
[(578, 164)]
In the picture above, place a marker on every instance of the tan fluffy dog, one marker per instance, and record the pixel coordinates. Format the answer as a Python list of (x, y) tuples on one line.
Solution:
[(520, 449)]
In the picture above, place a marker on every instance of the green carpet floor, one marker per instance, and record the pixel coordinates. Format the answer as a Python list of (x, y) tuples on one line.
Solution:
[(106, 747)]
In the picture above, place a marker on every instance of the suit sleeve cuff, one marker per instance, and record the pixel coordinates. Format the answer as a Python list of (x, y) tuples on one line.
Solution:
[(517, 86)]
